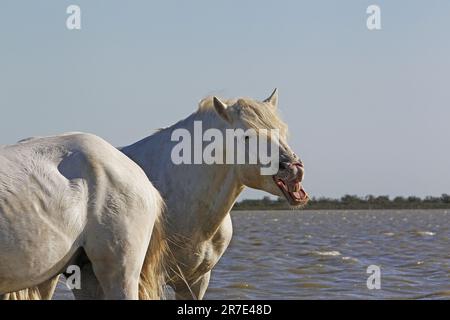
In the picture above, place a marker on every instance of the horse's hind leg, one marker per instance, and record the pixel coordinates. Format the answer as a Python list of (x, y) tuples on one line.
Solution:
[(117, 258), (117, 273)]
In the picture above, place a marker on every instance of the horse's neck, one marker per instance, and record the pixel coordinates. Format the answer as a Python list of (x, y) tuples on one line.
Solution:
[(198, 196)]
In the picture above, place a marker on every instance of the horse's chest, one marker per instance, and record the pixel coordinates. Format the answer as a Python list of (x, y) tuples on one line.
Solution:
[(211, 251)]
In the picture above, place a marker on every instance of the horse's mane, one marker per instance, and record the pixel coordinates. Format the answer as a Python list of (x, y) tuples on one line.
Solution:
[(255, 114)]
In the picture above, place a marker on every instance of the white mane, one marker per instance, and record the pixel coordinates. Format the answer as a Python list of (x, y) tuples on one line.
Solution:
[(255, 114)]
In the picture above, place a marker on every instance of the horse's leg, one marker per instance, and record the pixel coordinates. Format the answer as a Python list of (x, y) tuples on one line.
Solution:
[(117, 273), (199, 287), (183, 291), (219, 243), (117, 261), (192, 291)]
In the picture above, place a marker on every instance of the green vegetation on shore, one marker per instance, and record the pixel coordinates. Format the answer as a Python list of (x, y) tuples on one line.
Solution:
[(350, 202)]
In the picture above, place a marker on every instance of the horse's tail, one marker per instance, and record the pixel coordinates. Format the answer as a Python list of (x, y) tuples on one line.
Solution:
[(153, 274), (26, 294), (44, 291)]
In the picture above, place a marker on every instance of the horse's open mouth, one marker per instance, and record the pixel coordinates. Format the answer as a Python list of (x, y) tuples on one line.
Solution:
[(293, 191)]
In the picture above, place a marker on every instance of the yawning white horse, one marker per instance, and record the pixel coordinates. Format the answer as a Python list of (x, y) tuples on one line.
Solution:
[(75, 197), (199, 197)]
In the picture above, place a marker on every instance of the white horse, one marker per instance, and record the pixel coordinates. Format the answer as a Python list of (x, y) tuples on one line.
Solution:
[(75, 197), (199, 197)]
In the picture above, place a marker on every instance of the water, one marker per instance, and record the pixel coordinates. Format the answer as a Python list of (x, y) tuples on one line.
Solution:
[(325, 255)]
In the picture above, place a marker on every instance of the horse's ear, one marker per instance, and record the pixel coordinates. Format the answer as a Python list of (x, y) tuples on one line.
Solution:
[(221, 109), (273, 99)]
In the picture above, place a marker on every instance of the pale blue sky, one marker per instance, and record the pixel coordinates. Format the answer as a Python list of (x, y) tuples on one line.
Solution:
[(368, 111)]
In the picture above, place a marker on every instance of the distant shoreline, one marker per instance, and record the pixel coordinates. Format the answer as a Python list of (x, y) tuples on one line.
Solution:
[(350, 202)]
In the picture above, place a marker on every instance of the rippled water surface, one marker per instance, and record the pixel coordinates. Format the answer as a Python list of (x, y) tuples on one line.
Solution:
[(325, 255)]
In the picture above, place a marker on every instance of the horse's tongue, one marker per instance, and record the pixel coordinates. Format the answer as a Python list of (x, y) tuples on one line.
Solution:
[(300, 194)]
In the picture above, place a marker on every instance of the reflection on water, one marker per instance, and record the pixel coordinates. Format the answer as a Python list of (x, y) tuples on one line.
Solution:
[(325, 255)]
